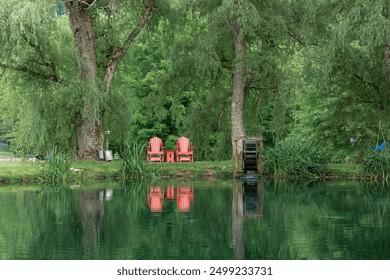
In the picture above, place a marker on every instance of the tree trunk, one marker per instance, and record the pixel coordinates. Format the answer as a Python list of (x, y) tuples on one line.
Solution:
[(89, 131), (238, 85), (90, 119), (89, 134)]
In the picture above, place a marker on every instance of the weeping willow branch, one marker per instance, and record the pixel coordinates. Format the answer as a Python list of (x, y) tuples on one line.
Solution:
[(44, 63), (25, 69), (374, 86)]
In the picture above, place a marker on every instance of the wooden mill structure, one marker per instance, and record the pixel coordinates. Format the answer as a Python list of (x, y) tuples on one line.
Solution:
[(251, 157)]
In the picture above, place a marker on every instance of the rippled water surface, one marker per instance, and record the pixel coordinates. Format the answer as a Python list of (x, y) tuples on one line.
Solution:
[(197, 220)]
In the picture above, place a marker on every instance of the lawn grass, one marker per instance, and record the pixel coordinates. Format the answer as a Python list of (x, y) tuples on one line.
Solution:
[(18, 171), (5, 152)]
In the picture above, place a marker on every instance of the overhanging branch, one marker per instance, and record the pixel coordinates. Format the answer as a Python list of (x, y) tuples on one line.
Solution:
[(118, 53), (141, 24), (44, 63), (374, 86), (25, 69)]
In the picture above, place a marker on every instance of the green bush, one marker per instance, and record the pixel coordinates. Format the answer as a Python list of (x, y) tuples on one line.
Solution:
[(377, 165), (293, 159)]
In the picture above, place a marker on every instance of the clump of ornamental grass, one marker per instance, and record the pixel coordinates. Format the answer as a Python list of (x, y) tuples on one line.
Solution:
[(134, 165), (55, 170), (293, 159), (376, 166)]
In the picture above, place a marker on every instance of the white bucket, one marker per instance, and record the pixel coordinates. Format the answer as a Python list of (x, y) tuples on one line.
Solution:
[(108, 155), (101, 154)]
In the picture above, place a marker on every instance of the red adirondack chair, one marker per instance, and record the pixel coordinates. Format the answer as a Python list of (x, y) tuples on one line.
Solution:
[(184, 151), (155, 150), (184, 198), (156, 198)]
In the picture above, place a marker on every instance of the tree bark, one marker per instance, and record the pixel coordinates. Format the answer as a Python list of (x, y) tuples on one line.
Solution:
[(89, 129), (238, 86)]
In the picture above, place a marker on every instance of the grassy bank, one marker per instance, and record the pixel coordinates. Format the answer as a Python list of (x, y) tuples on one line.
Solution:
[(14, 170), (88, 170), (343, 171)]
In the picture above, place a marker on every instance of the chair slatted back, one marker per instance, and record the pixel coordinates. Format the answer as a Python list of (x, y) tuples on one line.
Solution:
[(155, 144)]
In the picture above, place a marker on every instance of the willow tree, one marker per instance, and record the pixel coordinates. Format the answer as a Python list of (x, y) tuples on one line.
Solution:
[(37, 90), (36, 50), (222, 32), (241, 46), (82, 17)]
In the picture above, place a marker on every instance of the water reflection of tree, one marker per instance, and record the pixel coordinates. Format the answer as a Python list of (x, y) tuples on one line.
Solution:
[(300, 221), (247, 203), (90, 216), (317, 221), (38, 225), (377, 194), (238, 221)]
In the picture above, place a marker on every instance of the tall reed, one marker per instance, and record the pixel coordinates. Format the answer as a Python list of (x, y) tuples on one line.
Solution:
[(56, 170), (377, 166), (134, 165), (293, 159)]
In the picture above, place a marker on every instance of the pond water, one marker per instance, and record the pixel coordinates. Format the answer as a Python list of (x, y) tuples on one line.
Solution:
[(197, 220)]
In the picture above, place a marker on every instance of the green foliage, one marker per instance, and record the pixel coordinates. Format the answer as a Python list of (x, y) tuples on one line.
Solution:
[(170, 142), (293, 159), (56, 170), (38, 97), (344, 75), (133, 164), (176, 80), (377, 166)]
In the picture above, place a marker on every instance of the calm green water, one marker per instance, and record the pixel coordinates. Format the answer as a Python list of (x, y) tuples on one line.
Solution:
[(198, 220)]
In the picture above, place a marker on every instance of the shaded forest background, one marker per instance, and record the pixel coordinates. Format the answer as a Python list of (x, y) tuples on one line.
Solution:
[(308, 71)]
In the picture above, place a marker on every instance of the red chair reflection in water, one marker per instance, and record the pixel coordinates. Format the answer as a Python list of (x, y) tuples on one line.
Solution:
[(171, 193), (184, 198), (156, 198)]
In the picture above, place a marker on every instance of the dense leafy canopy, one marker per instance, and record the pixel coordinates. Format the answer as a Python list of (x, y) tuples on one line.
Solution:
[(317, 71)]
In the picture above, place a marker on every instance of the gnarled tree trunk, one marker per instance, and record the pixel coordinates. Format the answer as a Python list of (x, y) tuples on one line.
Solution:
[(89, 131), (90, 119)]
